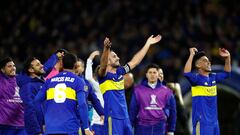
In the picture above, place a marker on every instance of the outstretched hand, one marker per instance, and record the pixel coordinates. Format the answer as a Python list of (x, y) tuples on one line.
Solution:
[(224, 52), (94, 54), (152, 40), (107, 43)]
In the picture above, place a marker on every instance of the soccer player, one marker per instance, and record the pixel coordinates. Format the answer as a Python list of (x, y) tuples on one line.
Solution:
[(204, 90), (63, 95), (58, 66), (89, 91), (153, 106), (30, 81), (97, 121), (11, 112), (110, 76)]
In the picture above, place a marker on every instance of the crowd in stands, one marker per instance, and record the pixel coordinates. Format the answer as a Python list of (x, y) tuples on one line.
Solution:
[(37, 28)]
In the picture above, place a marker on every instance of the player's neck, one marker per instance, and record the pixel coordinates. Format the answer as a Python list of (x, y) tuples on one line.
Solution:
[(203, 73), (111, 69), (58, 66), (69, 70), (33, 75)]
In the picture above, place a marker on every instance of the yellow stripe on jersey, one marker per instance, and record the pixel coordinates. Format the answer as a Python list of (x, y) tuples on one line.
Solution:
[(68, 92), (204, 91), (111, 85)]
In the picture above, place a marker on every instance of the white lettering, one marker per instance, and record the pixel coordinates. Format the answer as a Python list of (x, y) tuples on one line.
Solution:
[(62, 79), (69, 79)]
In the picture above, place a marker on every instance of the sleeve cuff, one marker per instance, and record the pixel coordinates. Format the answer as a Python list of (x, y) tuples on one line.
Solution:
[(86, 129), (170, 133), (89, 61)]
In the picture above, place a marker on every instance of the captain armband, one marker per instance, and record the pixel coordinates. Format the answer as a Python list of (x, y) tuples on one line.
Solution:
[(127, 68)]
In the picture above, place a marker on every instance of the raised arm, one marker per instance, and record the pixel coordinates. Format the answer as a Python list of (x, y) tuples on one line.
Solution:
[(50, 63), (137, 58), (226, 55), (89, 71), (104, 58), (188, 65)]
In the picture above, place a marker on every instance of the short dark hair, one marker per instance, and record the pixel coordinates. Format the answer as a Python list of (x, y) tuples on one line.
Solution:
[(151, 66), (61, 50), (69, 61), (4, 61), (27, 64), (79, 59), (196, 57)]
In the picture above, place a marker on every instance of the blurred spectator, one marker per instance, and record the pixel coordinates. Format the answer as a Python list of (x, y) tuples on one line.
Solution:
[(27, 28)]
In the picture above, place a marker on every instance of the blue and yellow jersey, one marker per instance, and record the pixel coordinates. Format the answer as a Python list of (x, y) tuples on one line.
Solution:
[(112, 88), (62, 95), (204, 96)]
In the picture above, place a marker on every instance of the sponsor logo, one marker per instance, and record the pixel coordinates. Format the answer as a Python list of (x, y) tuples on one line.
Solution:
[(16, 97), (153, 104), (153, 99)]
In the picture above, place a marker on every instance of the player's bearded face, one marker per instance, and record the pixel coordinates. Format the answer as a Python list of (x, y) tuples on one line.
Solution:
[(37, 67), (114, 60)]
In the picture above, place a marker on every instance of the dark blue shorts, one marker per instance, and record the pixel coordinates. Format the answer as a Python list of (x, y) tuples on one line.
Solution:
[(98, 129), (206, 129), (114, 126)]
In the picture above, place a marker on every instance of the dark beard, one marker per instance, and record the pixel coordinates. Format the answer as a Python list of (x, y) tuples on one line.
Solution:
[(115, 66), (40, 74)]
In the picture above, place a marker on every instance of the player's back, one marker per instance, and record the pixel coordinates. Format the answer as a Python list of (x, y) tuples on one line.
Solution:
[(61, 103)]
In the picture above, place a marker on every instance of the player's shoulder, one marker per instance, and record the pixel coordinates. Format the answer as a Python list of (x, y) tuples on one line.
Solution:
[(212, 75)]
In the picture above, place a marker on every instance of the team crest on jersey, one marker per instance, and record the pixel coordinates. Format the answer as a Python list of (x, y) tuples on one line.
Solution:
[(86, 88)]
